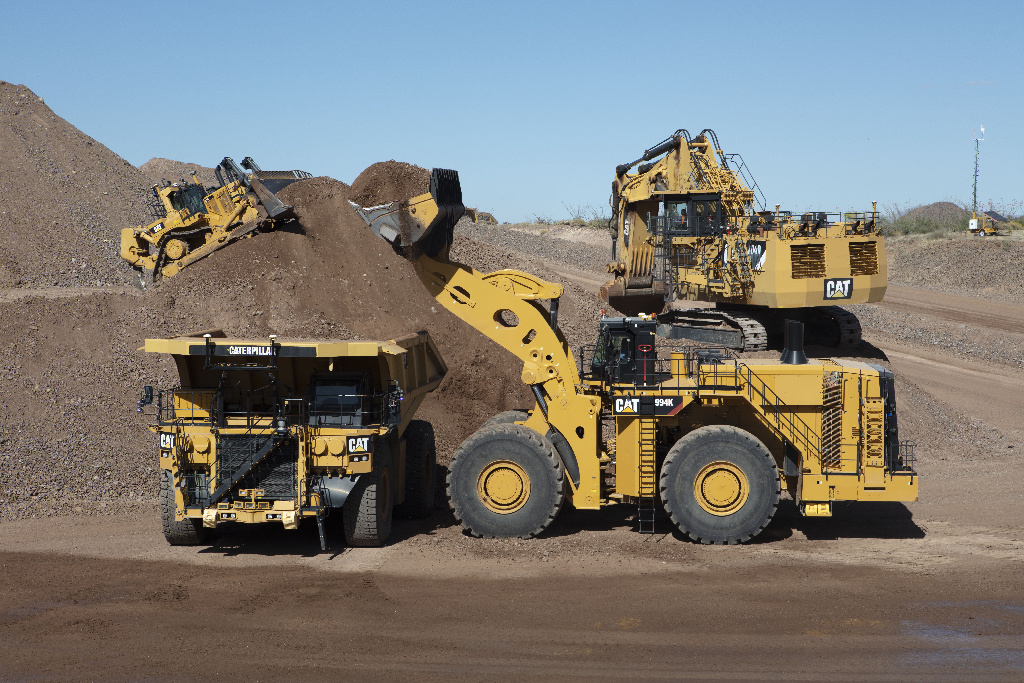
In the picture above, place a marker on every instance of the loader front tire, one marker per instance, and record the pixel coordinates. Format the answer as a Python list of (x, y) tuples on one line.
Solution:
[(420, 464), (178, 532), (506, 481), (720, 485), (368, 511)]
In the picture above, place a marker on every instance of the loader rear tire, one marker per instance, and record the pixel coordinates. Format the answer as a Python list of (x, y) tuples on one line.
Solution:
[(178, 532), (720, 485), (368, 511), (420, 465), (506, 481), (507, 417)]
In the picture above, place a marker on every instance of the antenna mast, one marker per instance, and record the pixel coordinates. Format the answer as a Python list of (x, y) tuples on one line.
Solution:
[(977, 149)]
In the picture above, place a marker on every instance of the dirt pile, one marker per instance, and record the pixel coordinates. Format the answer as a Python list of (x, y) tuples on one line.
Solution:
[(158, 168), (985, 267), (389, 181), (65, 199)]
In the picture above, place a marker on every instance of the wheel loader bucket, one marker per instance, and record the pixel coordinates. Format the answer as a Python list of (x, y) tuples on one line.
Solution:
[(424, 224)]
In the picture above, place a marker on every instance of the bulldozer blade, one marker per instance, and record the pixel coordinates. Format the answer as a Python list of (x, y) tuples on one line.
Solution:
[(274, 206), (424, 224)]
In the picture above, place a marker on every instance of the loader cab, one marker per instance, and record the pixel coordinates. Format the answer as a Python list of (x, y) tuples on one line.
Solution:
[(625, 351)]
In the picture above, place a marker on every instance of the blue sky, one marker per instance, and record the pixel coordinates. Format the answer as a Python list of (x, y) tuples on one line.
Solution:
[(831, 105)]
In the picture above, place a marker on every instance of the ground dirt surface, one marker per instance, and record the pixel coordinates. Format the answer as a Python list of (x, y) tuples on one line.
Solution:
[(89, 589)]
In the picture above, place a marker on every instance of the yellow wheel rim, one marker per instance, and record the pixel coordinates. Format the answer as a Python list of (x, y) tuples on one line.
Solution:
[(721, 488), (503, 487)]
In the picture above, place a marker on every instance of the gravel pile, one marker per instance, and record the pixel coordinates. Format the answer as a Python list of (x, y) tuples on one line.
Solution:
[(578, 254), (66, 198), (158, 168), (984, 267)]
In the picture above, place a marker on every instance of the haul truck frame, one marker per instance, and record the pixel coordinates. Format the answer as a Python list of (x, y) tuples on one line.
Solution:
[(277, 431)]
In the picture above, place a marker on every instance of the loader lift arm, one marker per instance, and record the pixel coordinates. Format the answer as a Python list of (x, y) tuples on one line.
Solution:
[(504, 306)]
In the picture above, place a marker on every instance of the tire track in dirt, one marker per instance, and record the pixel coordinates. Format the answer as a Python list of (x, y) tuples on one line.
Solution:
[(961, 309)]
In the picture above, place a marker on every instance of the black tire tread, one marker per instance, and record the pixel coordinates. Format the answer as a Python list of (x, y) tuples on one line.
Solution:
[(365, 525), (544, 449), (178, 532), (420, 465), (678, 452), (507, 417)]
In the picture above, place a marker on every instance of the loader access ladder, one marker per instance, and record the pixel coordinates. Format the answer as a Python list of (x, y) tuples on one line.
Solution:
[(648, 476)]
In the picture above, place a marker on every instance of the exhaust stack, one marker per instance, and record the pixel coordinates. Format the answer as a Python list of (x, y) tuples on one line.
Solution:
[(793, 353)]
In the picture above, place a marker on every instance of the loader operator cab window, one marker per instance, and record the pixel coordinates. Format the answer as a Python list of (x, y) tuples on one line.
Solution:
[(613, 357), (339, 401)]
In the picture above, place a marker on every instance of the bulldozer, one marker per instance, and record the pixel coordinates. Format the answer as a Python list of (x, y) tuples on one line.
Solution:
[(642, 420), (691, 225), (191, 222), (278, 431)]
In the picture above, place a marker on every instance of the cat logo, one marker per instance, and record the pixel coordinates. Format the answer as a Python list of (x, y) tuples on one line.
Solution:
[(166, 441), (838, 288), (358, 444), (627, 405)]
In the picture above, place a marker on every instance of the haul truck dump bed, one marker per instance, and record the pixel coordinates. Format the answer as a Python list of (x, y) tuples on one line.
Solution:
[(277, 431)]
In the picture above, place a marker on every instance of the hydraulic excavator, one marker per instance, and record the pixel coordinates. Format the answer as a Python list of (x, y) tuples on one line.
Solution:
[(686, 228), (636, 421)]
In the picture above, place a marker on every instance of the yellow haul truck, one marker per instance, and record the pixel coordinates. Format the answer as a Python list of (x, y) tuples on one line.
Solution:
[(278, 431), (714, 438), (686, 227), (191, 222)]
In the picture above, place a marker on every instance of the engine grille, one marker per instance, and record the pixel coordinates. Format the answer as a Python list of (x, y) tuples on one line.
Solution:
[(808, 260), (863, 258)]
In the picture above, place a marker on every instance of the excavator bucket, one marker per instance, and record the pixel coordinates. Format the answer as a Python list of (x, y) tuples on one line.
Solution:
[(424, 224)]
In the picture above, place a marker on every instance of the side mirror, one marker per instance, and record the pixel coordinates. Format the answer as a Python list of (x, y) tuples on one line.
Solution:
[(146, 399)]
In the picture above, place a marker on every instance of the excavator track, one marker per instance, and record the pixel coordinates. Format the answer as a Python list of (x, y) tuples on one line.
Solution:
[(848, 325), (712, 326)]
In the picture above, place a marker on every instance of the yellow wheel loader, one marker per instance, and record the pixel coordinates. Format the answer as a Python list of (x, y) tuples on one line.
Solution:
[(192, 222), (279, 431), (635, 420), (686, 229)]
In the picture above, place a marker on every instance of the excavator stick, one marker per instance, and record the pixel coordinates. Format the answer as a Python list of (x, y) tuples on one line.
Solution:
[(424, 224)]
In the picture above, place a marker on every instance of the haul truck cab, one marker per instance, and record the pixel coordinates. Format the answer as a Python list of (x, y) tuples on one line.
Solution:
[(277, 431)]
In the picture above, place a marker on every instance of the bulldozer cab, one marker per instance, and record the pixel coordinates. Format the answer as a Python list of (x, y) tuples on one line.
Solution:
[(625, 351), (188, 197)]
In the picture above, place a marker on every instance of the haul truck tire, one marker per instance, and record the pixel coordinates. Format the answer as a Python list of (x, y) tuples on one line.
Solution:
[(720, 484), (420, 464), (506, 481), (178, 532), (507, 417), (368, 511)]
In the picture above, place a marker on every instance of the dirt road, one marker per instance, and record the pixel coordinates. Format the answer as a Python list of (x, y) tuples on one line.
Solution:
[(106, 599)]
